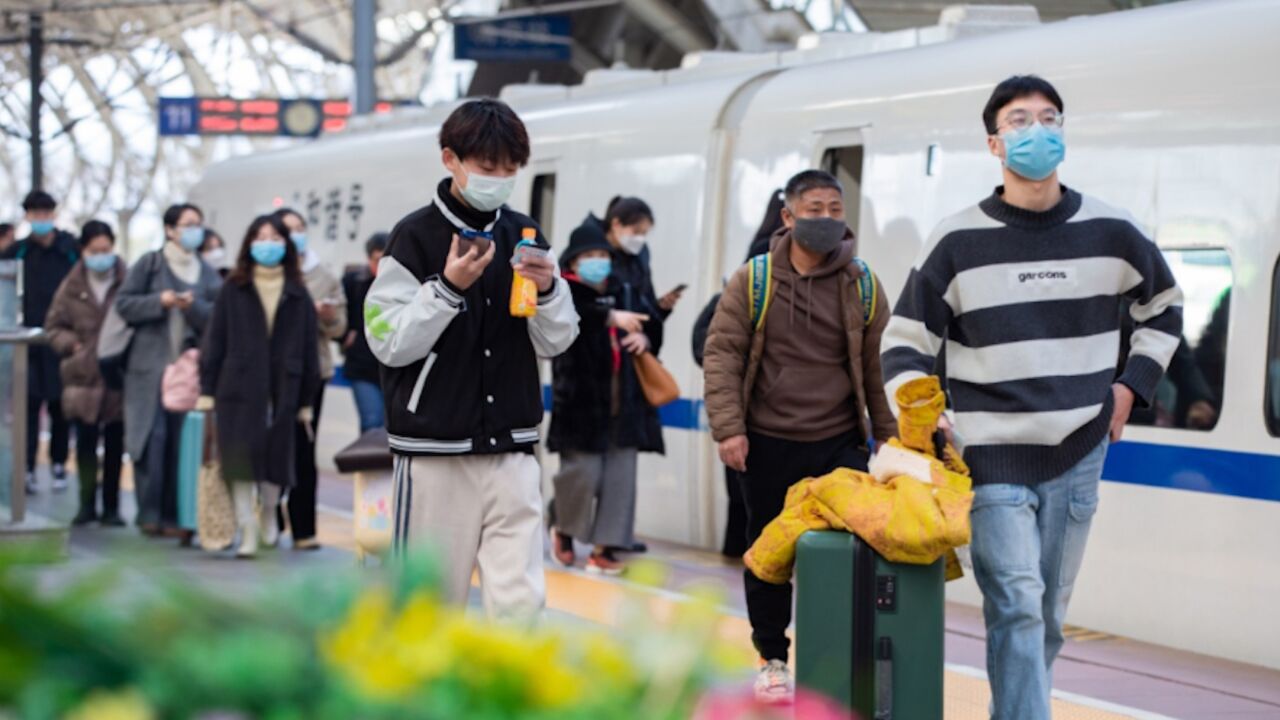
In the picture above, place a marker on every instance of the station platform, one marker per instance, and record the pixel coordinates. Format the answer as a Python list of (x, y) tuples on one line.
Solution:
[(1097, 677)]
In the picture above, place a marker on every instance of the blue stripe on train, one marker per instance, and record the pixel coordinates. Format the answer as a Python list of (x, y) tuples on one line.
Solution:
[(1219, 472)]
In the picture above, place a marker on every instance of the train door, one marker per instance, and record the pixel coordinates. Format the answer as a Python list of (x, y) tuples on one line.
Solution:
[(845, 162), (542, 202), (542, 198), (842, 156)]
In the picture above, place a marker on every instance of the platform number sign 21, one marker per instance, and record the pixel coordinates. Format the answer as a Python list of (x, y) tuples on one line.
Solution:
[(179, 116)]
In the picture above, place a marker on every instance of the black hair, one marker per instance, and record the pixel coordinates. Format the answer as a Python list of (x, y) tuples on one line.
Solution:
[(487, 129), (6, 228), (38, 200), (803, 182), (284, 212), (174, 213), (627, 211), (243, 272), (376, 242), (1018, 86), (95, 229), (211, 235), (770, 224)]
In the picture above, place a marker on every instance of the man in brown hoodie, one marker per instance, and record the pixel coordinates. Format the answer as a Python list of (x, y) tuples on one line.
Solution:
[(790, 399)]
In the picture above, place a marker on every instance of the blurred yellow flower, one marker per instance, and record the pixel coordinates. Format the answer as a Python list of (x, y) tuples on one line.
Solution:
[(388, 655), (363, 650), (105, 705)]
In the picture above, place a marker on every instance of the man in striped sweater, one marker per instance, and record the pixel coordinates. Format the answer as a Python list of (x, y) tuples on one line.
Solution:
[(1024, 291)]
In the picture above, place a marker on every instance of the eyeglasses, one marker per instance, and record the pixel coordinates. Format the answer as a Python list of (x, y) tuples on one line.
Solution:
[(1023, 119)]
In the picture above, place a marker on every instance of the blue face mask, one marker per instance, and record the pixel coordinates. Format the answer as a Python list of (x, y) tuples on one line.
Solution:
[(299, 241), (41, 227), (192, 237), (595, 270), (267, 253), (1033, 153), (100, 263)]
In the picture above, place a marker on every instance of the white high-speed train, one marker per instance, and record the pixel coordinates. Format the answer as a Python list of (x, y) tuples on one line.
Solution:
[(1172, 112)]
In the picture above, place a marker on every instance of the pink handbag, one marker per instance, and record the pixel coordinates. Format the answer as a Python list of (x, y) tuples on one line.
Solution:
[(181, 385)]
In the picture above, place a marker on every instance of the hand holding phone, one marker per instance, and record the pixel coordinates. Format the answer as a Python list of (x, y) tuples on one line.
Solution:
[(668, 301), (464, 268), (466, 244)]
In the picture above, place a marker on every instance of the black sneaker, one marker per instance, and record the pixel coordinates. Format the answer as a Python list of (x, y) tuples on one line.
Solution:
[(112, 521), (84, 517), (31, 483)]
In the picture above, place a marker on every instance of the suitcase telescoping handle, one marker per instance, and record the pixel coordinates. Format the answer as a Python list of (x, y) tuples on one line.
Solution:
[(884, 679)]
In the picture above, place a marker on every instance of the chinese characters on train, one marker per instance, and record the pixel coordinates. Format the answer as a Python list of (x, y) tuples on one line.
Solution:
[(335, 211)]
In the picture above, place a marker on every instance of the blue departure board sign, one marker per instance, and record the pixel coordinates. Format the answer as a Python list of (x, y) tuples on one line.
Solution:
[(299, 117), (544, 38)]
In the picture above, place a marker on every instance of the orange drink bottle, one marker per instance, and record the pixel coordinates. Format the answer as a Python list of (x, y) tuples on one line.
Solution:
[(524, 293)]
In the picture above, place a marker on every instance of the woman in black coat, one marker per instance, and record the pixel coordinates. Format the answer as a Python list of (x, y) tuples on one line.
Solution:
[(258, 369), (599, 417)]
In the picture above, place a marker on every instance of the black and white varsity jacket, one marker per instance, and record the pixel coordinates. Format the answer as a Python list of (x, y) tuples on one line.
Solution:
[(459, 373)]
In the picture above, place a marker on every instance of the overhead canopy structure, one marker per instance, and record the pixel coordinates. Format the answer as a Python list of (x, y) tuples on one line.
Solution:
[(107, 63)]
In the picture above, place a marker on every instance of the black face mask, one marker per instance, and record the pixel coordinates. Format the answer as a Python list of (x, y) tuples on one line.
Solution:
[(818, 235)]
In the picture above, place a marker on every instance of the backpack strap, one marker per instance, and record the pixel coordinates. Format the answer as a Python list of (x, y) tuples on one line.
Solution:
[(866, 290), (759, 288), (72, 255)]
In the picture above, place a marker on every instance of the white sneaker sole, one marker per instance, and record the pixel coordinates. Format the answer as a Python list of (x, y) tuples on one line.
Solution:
[(597, 570)]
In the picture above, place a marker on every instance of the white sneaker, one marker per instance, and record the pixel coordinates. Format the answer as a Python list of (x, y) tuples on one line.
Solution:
[(60, 483), (244, 498), (268, 506), (774, 685), (31, 483)]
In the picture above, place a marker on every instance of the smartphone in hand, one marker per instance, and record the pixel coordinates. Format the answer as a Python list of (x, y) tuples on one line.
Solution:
[(481, 244)]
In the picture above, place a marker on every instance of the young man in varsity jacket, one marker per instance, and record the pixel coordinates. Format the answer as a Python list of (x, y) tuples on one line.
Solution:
[(460, 373), (1025, 291), (792, 382)]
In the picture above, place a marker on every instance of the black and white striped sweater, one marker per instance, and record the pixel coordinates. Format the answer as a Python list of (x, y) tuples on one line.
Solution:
[(1028, 306)]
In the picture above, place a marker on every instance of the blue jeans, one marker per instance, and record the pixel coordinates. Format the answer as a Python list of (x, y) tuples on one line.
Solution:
[(1028, 544), (368, 404)]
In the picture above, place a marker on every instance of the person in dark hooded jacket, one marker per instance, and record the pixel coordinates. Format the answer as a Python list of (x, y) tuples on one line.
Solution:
[(47, 256), (599, 417)]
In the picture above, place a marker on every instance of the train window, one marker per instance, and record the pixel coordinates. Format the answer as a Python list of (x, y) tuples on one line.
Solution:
[(846, 164), (542, 203), (1190, 394), (1273, 359)]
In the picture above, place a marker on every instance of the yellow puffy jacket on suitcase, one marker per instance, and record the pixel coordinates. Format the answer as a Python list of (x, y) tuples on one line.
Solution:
[(906, 518)]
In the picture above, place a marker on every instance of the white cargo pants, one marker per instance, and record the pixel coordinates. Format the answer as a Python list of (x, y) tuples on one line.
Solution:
[(476, 511)]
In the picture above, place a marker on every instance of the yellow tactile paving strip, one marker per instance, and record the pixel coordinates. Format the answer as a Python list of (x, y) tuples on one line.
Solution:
[(597, 599)]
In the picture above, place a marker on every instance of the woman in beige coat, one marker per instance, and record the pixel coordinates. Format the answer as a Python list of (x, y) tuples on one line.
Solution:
[(73, 323)]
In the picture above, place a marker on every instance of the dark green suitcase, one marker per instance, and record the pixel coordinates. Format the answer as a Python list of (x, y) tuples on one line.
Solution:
[(869, 633)]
